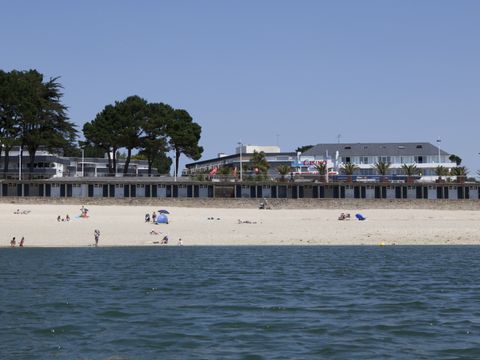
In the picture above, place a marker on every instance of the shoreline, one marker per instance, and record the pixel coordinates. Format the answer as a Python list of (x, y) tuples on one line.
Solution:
[(124, 225)]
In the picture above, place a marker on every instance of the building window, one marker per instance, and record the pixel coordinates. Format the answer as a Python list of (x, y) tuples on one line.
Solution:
[(418, 159)]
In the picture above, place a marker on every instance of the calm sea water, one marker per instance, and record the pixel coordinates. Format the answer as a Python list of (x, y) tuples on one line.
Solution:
[(240, 303)]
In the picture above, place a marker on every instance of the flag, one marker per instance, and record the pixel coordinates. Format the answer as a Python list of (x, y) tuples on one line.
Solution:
[(213, 172)]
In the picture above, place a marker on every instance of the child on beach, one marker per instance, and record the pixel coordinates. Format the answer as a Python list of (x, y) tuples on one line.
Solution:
[(13, 242)]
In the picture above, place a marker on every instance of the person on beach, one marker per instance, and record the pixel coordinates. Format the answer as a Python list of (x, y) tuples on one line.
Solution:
[(96, 235), (59, 218), (22, 241), (13, 242), (154, 216), (147, 217), (180, 242), (84, 212), (67, 218), (165, 240)]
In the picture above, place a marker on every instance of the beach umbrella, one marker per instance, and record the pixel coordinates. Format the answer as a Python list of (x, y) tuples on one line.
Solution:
[(163, 212)]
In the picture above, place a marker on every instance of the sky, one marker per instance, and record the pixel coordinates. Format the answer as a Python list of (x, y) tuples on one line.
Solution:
[(287, 73)]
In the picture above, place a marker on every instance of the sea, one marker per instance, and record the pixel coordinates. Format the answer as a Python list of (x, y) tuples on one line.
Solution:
[(193, 302)]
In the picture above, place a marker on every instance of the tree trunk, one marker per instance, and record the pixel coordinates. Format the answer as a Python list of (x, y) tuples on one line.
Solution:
[(150, 164), (177, 156), (127, 161), (31, 159), (6, 161)]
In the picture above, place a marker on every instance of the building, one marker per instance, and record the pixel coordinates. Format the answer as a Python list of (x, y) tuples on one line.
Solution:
[(424, 155), (243, 155), (52, 164)]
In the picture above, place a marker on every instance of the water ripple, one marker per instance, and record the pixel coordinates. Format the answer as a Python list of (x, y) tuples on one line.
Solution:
[(240, 303)]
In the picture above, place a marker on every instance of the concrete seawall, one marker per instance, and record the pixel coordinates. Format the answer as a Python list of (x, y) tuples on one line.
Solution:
[(254, 203)]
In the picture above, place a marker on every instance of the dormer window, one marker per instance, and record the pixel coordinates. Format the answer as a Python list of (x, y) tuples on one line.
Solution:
[(419, 146), (348, 147)]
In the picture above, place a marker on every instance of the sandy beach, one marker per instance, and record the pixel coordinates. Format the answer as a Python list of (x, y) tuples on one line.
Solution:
[(123, 225)]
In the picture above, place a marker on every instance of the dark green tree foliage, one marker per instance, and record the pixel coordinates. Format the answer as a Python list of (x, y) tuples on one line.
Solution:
[(456, 159), (155, 142), (184, 136), (153, 129), (304, 148), (103, 132), (131, 117), (34, 114), (259, 164), (9, 113)]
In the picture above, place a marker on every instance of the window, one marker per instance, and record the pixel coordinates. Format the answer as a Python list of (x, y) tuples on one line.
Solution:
[(363, 159), (419, 146), (347, 147)]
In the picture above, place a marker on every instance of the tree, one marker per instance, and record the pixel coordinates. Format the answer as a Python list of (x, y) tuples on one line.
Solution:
[(103, 133), (322, 170), (43, 119), (304, 148), (441, 171), (184, 135), (460, 172), (409, 171), (284, 170), (349, 169), (131, 117), (456, 159), (259, 164), (225, 172), (382, 168), (155, 141), (9, 114)]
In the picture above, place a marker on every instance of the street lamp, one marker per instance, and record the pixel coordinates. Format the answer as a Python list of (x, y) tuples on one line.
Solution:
[(20, 163), (439, 141), (175, 167), (83, 162), (241, 167)]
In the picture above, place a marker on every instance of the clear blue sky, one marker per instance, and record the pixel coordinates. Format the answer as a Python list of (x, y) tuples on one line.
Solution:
[(296, 72)]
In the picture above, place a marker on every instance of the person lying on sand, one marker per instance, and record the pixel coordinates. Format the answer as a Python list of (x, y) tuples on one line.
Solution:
[(246, 222)]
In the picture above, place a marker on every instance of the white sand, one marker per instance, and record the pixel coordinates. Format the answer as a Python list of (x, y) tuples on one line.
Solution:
[(125, 226)]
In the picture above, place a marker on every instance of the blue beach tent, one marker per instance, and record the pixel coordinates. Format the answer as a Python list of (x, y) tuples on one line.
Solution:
[(161, 219), (360, 217)]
